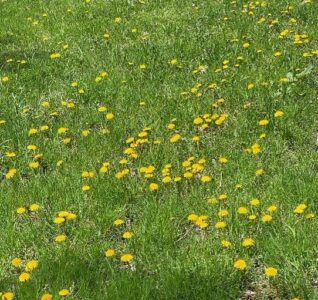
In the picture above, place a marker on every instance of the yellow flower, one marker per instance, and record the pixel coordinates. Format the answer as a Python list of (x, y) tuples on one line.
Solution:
[(176, 137), (64, 292), (34, 165), (127, 235), (153, 186), (109, 252), (86, 188), (20, 210), (10, 154), (255, 202), (267, 218), (256, 148), (16, 262), (7, 296), (117, 20), (31, 265), (47, 296), (62, 130), (270, 271), (240, 264), (223, 160), (85, 132), (223, 213), (250, 86), (24, 276), (109, 116), (300, 208), (278, 114), (34, 207), (126, 258), (44, 127), (248, 242), (220, 225), (60, 238), (32, 131), (242, 210), (272, 208), (31, 147), (11, 173), (263, 122), (55, 55), (192, 217), (246, 45), (71, 216), (259, 172), (5, 78), (205, 178), (59, 220), (118, 222), (166, 179), (102, 108), (226, 243)]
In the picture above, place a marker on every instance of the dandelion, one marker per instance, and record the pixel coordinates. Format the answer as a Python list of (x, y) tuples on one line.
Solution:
[(20, 210), (55, 55), (242, 210), (86, 188), (263, 122), (59, 220), (270, 272), (31, 265), (60, 238), (34, 207), (240, 264), (220, 225), (278, 114), (127, 235), (24, 276), (223, 160), (205, 178), (300, 209), (118, 222), (259, 172), (255, 202), (267, 218), (226, 244), (109, 252), (248, 242), (126, 258), (109, 116), (47, 296), (5, 79), (64, 292), (16, 262), (176, 137), (153, 186)]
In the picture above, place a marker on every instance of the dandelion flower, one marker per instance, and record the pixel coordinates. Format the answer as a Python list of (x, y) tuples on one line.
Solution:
[(270, 272), (240, 264), (64, 292), (47, 296), (126, 258), (24, 276)]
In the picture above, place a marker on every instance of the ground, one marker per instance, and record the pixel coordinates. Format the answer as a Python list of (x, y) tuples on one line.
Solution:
[(158, 149)]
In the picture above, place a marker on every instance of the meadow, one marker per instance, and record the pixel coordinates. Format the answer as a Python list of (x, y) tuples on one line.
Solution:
[(158, 149)]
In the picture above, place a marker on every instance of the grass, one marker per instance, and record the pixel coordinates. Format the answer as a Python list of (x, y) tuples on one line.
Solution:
[(161, 78)]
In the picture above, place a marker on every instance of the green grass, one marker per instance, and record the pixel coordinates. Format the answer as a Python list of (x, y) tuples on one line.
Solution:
[(173, 258)]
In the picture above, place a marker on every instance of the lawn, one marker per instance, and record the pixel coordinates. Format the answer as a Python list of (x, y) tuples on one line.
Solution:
[(158, 149)]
